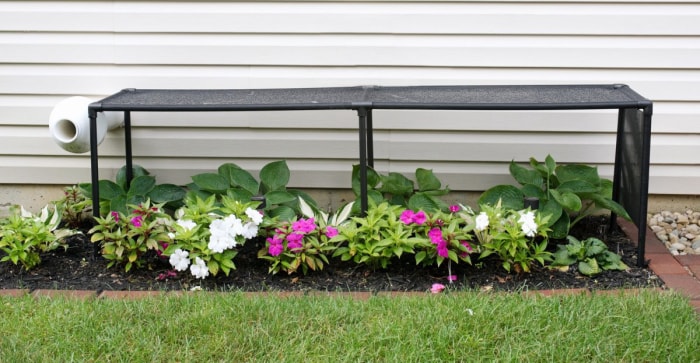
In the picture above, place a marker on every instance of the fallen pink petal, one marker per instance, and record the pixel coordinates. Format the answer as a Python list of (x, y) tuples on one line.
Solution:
[(437, 288)]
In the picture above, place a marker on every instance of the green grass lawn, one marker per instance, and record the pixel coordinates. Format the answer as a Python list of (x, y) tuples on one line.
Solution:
[(651, 326)]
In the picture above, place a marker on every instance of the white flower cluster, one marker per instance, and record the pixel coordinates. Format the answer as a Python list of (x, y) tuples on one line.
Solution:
[(223, 234), (482, 222), (527, 223)]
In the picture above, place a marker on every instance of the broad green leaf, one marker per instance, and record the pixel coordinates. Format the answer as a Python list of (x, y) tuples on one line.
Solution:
[(422, 201), (110, 190), (396, 184), (536, 191), (525, 176), (578, 186), (589, 267), (303, 195), (164, 193), (239, 194), (372, 179), (609, 204), (136, 171), (560, 228), (606, 188), (578, 172), (594, 247), (279, 197), (427, 180), (562, 257), (510, 197), (282, 212), (567, 199), (118, 204), (553, 209), (275, 176), (211, 182), (238, 177), (141, 185), (550, 164), (540, 167)]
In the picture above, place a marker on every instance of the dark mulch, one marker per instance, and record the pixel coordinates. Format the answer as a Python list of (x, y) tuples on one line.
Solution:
[(77, 269)]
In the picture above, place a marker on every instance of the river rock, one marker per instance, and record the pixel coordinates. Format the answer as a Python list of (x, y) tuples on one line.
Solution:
[(678, 246)]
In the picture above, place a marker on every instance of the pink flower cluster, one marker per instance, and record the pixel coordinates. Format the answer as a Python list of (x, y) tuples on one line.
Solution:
[(436, 238), (408, 217), (295, 237)]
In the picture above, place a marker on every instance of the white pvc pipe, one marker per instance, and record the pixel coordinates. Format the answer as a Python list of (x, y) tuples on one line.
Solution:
[(69, 124)]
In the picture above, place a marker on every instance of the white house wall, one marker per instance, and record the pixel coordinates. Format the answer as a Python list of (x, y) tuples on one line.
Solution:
[(54, 49)]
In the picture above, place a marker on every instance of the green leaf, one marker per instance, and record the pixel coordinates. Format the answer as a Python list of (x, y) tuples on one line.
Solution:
[(238, 177), (136, 171), (530, 190), (372, 179), (510, 197), (279, 197), (541, 168), (141, 185), (427, 180), (275, 175), (428, 203), (594, 247), (164, 193), (578, 186), (118, 204), (211, 182), (567, 199), (525, 176), (283, 213), (589, 267), (578, 172), (560, 228), (239, 194), (110, 190), (553, 209), (396, 184), (609, 204), (550, 164), (420, 256), (562, 257)]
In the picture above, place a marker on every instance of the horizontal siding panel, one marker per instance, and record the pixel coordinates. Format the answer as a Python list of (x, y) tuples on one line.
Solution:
[(98, 81), (426, 18), (356, 50)]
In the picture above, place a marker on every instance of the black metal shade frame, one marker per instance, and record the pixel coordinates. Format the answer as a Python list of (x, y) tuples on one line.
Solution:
[(632, 150)]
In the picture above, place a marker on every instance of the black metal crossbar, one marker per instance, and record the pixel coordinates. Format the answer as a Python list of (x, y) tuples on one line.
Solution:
[(631, 171)]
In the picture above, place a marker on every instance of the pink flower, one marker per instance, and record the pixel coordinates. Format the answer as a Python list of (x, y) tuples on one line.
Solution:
[(275, 250), (437, 288), (115, 215), (469, 249), (452, 278), (435, 235), (454, 208), (304, 225), (419, 218), (407, 216), (294, 242), (442, 250), (331, 232), (136, 221)]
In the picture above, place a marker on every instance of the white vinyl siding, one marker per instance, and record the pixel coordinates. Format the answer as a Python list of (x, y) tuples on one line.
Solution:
[(54, 49)]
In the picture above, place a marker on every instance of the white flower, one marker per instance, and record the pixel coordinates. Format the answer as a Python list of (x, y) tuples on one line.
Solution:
[(254, 215), (199, 269), (482, 221), (250, 230), (186, 224), (179, 260), (218, 243), (233, 225), (528, 225)]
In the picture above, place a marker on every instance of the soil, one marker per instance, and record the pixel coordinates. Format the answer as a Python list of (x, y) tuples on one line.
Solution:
[(78, 269)]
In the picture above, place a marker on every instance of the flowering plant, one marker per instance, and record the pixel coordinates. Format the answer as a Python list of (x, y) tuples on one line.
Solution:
[(448, 234), (126, 238), (207, 233), (378, 237), (512, 235), (299, 243)]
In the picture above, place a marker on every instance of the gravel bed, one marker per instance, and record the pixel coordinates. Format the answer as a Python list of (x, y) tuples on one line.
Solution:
[(680, 231)]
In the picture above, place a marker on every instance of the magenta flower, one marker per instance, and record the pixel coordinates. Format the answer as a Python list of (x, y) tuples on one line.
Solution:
[(275, 249), (115, 215), (136, 221), (295, 237), (437, 288), (469, 249), (419, 218), (442, 250), (295, 246), (304, 225), (454, 208), (407, 216), (452, 278), (331, 232), (435, 235)]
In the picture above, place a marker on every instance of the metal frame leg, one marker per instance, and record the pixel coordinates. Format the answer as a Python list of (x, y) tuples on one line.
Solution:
[(362, 114)]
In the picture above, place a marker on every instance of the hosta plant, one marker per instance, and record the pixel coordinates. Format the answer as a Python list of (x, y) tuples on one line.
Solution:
[(591, 256), (568, 193), (518, 237), (125, 238), (23, 235), (207, 234)]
